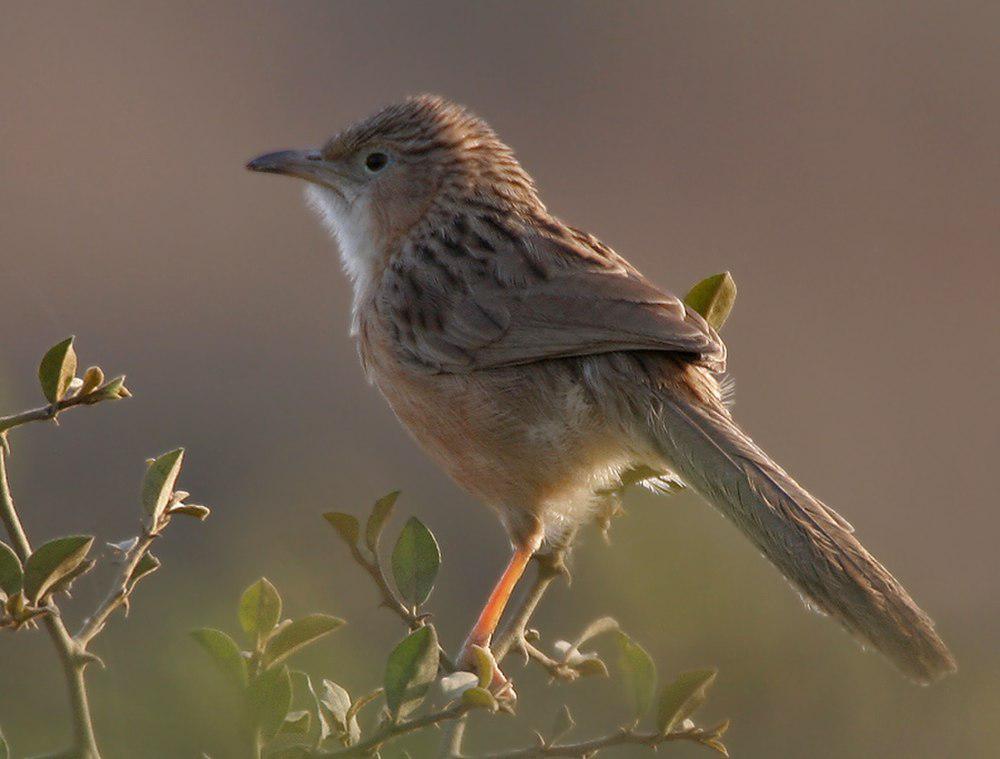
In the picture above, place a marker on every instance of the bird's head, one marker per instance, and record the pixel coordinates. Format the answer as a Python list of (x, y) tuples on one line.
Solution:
[(415, 163)]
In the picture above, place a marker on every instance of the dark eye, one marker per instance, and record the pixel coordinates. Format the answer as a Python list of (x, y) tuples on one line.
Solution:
[(376, 161)]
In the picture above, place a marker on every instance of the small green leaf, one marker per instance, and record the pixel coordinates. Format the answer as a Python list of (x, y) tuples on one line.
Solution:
[(4, 748), (302, 690), (379, 516), (713, 298), (296, 723), (57, 370), (563, 724), (411, 668), (260, 609), (681, 698), (195, 510), (346, 526), (158, 483), (147, 565), (269, 698), (480, 698), (113, 390), (224, 652), (11, 572), (51, 562), (639, 673), (485, 664), (591, 667), (300, 633), (337, 701), (337, 705), (415, 562)]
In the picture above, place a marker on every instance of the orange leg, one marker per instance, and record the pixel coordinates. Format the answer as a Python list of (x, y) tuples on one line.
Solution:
[(489, 618)]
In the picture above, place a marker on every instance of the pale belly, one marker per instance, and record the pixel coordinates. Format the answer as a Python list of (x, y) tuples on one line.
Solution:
[(531, 442)]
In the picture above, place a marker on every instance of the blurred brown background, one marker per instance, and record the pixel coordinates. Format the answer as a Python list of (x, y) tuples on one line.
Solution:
[(842, 162)]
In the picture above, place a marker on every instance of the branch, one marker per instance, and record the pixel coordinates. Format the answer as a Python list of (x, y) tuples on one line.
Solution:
[(389, 601), (119, 593), (46, 413), (624, 737), (74, 659), (394, 730)]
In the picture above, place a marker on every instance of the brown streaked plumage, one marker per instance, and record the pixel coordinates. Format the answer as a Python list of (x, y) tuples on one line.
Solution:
[(537, 366)]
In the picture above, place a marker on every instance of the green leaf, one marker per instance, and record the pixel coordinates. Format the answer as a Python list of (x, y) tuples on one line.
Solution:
[(336, 702), (57, 370), (410, 670), (224, 652), (296, 723), (485, 665), (591, 667), (381, 512), (4, 748), (480, 698), (681, 698), (302, 690), (260, 609), (11, 572), (113, 390), (158, 483), (713, 298), (269, 698), (147, 565), (346, 526), (300, 633), (51, 562), (415, 562), (195, 510), (639, 673)]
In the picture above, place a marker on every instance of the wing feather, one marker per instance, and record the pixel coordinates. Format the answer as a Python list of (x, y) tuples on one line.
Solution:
[(486, 296)]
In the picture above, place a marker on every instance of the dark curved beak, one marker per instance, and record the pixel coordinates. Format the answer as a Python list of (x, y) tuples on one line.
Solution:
[(304, 164)]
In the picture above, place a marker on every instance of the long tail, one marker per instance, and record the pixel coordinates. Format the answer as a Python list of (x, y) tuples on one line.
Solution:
[(812, 545)]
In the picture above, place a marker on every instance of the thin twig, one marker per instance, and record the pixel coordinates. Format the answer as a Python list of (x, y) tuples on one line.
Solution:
[(119, 593), (451, 743), (589, 748), (393, 730), (46, 413), (557, 669), (72, 656), (389, 601)]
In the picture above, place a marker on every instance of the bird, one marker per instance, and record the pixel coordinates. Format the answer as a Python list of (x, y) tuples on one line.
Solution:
[(538, 367)]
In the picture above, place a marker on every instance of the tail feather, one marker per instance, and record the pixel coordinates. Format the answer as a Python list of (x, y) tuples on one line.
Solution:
[(812, 545)]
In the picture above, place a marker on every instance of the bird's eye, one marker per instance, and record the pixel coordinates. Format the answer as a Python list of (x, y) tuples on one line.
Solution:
[(376, 161)]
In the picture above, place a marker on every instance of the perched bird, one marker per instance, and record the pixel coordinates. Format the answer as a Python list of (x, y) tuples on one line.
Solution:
[(537, 366)]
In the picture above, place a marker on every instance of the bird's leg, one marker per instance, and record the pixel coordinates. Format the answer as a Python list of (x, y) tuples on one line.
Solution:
[(489, 617)]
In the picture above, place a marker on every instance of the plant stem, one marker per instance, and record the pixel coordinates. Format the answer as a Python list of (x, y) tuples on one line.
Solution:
[(395, 729), (451, 743), (119, 592), (589, 748), (51, 411), (70, 653), (389, 600)]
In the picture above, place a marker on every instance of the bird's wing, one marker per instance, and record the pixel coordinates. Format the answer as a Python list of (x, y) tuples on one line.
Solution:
[(489, 296)]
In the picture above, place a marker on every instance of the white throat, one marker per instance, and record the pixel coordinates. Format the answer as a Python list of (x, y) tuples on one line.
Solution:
[(349, 223)]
